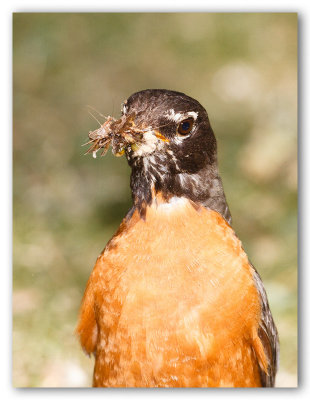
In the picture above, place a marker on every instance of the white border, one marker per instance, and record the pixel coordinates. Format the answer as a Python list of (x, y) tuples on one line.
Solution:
[(302, 7)]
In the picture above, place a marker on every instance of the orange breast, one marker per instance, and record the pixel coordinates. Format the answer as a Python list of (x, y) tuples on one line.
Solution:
[(171, 302)]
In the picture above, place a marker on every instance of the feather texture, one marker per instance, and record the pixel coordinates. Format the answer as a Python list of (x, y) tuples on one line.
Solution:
[(156, 316)]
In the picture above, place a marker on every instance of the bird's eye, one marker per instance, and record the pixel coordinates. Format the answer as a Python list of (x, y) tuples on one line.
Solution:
[(185, 126)]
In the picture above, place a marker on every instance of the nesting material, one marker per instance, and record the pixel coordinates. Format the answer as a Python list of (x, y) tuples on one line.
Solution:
[(117, 133)]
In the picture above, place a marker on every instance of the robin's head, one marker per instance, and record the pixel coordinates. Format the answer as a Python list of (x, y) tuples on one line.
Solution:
[(169, 144), (173, 131)]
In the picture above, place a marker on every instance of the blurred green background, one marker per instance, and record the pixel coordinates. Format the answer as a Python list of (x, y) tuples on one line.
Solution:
[(241, 67)]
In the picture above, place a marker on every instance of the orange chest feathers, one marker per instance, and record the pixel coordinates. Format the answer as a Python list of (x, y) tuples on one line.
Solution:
[(172, 302)]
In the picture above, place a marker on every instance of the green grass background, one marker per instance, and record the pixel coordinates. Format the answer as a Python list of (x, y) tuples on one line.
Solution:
[(241, 67)]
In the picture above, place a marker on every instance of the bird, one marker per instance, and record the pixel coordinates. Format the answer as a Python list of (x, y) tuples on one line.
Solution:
[(173, 300)]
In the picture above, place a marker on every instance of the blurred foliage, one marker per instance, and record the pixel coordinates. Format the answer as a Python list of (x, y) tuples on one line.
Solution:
[(241, 67)]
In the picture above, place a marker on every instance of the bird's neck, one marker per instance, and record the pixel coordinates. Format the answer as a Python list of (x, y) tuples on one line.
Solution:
[(203, 187)]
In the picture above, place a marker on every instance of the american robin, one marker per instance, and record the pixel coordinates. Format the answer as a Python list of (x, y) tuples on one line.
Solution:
[(173, 300)]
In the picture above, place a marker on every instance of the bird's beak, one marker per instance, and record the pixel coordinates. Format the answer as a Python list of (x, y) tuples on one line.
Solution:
[(120, 134)]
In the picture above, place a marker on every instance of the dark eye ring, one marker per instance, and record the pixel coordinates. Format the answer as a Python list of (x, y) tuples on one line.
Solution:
[(185, 127)]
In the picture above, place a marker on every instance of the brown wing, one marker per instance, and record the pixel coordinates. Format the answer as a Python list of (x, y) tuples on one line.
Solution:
[(268, 335)]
